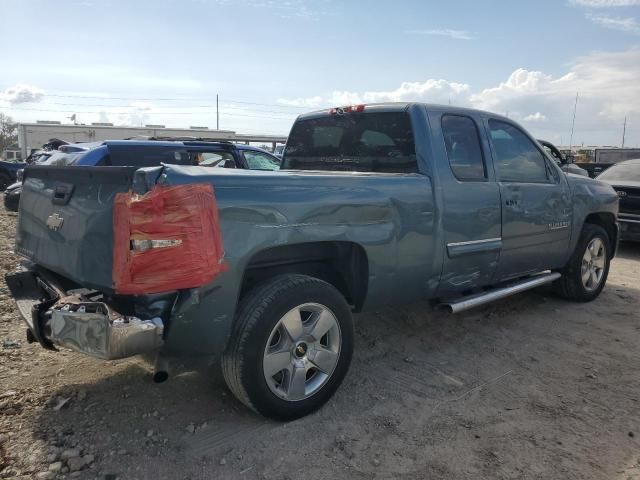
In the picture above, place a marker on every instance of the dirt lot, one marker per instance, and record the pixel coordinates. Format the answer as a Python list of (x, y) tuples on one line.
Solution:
[(531, 387)]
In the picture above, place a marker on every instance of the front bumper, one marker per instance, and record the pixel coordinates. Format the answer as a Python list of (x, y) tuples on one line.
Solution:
[(80, 321), (12, 197)]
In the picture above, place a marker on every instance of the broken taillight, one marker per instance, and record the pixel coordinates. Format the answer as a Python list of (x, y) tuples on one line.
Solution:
[(167, 239), (347, 109)]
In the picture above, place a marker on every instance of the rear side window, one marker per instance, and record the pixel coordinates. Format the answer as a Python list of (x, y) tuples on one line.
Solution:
[(260, 161), (358, 142), (463, 147), (517, 158), (151, 156)]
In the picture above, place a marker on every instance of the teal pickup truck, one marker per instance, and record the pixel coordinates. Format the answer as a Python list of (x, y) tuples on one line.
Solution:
[(374, 205)]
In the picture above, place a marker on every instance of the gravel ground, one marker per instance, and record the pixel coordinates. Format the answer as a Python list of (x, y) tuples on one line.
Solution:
[(530, 387)]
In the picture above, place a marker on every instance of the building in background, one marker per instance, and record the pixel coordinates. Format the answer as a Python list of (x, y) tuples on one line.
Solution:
[(12, 154)]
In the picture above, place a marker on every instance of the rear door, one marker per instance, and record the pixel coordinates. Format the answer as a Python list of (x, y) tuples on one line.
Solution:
[(471, 202), (536, 203)]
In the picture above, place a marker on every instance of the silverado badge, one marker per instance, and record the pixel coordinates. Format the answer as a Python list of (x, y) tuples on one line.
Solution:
[(54, 222)]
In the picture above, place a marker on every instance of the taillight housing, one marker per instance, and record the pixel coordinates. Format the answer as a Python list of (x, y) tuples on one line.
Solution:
[(167, 239)]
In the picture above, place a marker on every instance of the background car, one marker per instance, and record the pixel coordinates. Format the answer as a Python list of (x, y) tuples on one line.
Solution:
[(8, 172), (565, 163), (147, 153), (624, 177), (51, 157)]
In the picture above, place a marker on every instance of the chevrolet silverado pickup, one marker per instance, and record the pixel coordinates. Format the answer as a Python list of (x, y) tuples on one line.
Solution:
[(375, 205)]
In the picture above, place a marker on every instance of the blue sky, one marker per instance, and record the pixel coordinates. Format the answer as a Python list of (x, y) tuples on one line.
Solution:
[(164, 61)]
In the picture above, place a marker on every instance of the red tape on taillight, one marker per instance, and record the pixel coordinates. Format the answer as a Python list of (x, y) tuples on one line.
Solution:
[(167, 239)]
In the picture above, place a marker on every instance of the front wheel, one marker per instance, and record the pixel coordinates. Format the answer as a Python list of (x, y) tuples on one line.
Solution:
[(291, 346), (586, 273)]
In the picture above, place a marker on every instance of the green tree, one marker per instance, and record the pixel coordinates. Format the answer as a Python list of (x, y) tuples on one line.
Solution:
[(8, 132)]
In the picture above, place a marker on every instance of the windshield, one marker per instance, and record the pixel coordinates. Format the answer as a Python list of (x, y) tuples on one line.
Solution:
[(622, 172), (57, 158), (359, 142)]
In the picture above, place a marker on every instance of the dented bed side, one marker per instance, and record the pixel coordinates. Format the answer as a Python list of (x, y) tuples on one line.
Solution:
[(390, 216)]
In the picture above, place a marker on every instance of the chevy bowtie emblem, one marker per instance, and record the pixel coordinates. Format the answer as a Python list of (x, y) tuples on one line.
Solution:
[(54, 222), (622, 194)]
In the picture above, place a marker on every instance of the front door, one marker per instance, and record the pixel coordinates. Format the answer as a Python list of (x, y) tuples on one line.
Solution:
[(536, 203), (471, 203)]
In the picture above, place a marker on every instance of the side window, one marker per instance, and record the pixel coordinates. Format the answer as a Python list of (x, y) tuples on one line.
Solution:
[(463, 148), (213, 159), (517, 158), (260, 161)]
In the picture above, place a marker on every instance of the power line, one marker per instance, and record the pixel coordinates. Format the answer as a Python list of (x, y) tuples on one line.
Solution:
[(144, 112), (274, 105), (82, 105), (167, 99)]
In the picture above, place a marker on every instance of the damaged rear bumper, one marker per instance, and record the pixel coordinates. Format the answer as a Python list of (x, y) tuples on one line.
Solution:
[(80, 320)]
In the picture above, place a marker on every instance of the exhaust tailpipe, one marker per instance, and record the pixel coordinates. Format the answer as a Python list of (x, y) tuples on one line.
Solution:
[(160, 369)]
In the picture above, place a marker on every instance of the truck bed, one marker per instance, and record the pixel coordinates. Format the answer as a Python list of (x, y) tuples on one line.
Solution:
[(66, 218)]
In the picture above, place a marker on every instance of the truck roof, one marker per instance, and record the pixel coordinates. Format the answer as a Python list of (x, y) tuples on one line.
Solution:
[(403, 106)]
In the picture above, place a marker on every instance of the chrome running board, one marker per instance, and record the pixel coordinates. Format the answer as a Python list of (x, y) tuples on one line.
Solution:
[(478, 299)]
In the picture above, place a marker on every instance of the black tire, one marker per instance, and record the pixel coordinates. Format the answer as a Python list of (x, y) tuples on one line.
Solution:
[(258, 313), (5, 181), (570, 285)]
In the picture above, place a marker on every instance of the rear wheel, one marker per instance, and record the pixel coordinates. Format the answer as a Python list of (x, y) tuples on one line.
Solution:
[(291, 346), (586, 273)]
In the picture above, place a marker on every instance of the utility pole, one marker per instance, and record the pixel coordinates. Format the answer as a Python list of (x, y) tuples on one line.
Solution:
[(573, 123), (624, 130), (217, 114)]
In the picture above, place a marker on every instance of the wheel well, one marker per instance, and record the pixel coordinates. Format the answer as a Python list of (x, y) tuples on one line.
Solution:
[(342, 264), (606, 221)]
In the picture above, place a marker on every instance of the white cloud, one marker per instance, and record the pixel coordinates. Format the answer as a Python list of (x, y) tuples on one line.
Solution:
[(607, 83), (606, 3), (103, 117), (628, 24), (22, 94), (301, 9), (535, 117), (444, 32), (435, 91)]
